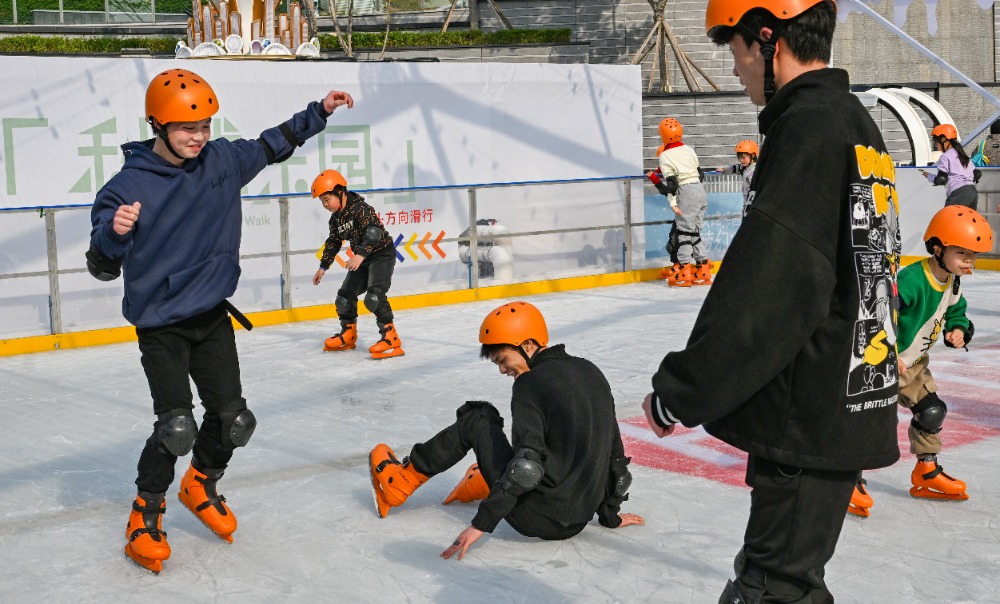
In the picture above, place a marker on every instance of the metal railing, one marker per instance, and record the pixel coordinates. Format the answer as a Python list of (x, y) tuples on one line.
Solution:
[(633, 254)]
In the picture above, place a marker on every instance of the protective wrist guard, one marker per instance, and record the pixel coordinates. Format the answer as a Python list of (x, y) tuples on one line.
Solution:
[(102, 267)]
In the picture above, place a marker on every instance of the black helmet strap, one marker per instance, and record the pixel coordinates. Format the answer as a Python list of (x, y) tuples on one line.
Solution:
[(161, 133), (767, 50)]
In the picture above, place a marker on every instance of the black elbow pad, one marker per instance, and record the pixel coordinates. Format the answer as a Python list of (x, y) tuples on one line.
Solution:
[(102, 267), (671, 184), (941, 178), (976, 175)]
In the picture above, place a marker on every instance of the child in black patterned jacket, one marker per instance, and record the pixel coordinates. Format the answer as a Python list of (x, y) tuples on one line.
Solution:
[(369, 267)]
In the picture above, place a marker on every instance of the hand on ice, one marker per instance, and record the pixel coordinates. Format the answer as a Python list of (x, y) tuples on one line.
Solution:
[(125, 217), (628, 519), (463, 543)]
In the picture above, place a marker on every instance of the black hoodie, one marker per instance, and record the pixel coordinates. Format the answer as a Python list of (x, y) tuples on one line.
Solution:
[(793, 355)]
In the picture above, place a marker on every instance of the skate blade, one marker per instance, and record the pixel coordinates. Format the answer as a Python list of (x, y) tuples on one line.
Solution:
[(335, 349), (388, 354), (148, 564), (381, 507), (193, 510), (860, 512), (925, 493)]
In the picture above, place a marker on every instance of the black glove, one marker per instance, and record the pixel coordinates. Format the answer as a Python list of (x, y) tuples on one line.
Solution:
[(102, 267)]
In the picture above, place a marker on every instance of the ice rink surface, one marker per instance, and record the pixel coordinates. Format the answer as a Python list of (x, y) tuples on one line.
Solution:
[(72, 424)]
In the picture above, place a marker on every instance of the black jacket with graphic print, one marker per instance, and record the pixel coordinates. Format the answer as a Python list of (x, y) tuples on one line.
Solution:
[(350, 224), (793, 356)]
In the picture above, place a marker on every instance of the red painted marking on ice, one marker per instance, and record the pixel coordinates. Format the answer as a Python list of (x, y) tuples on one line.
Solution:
[(693, 452), (666, 454)]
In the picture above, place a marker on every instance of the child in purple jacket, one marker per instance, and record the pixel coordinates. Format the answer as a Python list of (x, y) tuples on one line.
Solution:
[(955, 169)]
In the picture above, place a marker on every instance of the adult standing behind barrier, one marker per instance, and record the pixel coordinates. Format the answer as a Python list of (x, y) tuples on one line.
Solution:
[(955, 169), (172, 219), (798, 315)]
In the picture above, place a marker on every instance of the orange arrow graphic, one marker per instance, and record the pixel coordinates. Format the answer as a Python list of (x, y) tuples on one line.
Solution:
[(423, 243), (339, 261), (436, 242), (407, 245)]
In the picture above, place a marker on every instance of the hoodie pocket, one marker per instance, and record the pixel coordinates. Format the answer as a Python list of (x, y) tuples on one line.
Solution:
[(198, 288)]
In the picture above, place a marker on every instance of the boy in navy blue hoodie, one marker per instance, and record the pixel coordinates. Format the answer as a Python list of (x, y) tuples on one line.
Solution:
[(171, 221)]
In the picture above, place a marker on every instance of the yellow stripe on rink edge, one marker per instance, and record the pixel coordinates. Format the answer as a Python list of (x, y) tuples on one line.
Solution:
[(116, 335)]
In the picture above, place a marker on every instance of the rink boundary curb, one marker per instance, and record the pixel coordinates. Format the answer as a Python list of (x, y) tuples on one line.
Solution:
[(118, 335)]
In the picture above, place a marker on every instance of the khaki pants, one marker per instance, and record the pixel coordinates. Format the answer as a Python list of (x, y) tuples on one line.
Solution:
[(914, 385)]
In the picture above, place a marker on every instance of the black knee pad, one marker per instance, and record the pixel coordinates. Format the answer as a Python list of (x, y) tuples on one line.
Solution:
[(672, 243), (929, 414), (238, 427), (176, 432), (374, 299), (343, 305)]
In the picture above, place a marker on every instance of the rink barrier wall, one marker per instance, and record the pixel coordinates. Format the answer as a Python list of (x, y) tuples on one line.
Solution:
[(625, 211), (117, 335)]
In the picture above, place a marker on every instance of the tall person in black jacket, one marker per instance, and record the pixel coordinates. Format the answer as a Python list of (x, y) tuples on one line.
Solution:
[(800, 315), (564, 463)]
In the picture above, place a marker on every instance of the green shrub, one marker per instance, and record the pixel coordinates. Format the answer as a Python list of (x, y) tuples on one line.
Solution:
[(466, 37), (63, 45)]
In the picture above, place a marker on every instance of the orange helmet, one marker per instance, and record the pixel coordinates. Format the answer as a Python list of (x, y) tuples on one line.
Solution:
[(962, 227), (946, 130), (671, 130), (660, 149), (747, 146), (512, 324), (327, 180), (727, 13), (179, 95)]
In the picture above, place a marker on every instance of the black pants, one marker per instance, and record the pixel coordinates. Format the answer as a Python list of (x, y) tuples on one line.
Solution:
[(204, 348), (796, 515), (374, 276), (479, 427)]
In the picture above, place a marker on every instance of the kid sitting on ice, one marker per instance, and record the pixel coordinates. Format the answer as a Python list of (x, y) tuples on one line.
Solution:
[(368, 269), (564, 462), (931, 305)]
